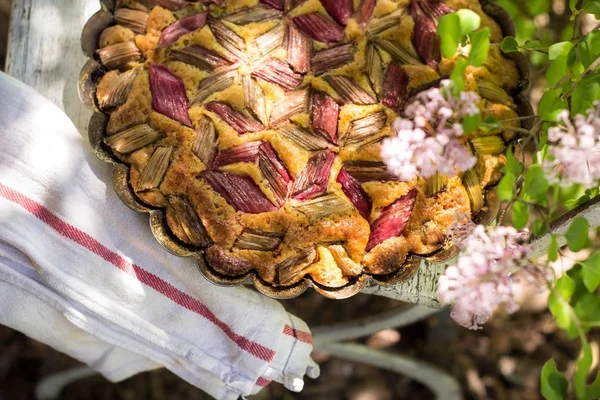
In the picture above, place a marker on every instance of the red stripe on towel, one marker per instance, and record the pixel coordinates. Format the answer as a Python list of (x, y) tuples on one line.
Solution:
[(262, 382), (302, 336)]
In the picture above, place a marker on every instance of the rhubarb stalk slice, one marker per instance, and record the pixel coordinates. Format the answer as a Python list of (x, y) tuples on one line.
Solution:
[(472, 184), (258, 240), (382, 24), (135, 20), (332, 58), (171, 33), (255, 100), (253, 14), (188, 226), (274, 171), (298, 49), (393, 220), (374, 68), (240, 191), (276, 4), (118, 89), (394, 86), (313, 180), (365, 12), (340, 10), (319, 27), (271, 40), (278, 73), (219, 81), (168, 94), (305, 138), (365, 129), (293, 266), (228, 39), (232, 117), (293, 103), (325, 114), (200, 57), (348, 266), (119, 54), (435, 9), (354, 191), (206, 140), (269, 164), (397, 52), (133, 139), (349, 91), (425, 38), (369, 171), (435, 184), (323, 206), (156, 169), (247, 152)]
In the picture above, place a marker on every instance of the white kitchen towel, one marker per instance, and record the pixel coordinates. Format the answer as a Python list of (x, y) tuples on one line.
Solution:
[(83, 273)]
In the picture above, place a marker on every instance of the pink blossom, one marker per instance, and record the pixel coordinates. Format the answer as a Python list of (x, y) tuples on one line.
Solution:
[(427, 140), (575, 149), (482, 278)]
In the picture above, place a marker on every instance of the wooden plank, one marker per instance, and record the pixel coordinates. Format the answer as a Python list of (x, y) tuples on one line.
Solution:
[(44, 50)]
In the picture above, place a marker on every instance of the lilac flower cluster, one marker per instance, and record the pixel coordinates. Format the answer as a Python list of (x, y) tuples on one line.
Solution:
[(482, 280), (427, 140), (575, 149)]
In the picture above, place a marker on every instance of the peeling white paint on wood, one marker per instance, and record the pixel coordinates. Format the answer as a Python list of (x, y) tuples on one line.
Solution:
[(44, 50)]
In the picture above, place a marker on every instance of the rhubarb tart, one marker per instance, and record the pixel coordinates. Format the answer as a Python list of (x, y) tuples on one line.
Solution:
[(256, 126)]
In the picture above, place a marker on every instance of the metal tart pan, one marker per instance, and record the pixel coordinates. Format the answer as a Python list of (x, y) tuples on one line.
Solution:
[(91, 73)]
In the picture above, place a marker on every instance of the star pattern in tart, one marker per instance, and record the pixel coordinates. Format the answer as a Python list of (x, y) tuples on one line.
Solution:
[(257, 125)]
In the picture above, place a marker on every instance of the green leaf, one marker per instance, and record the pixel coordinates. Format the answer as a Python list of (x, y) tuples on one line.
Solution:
[(558, 301), (591, 271), (509, 45), (586, 92), (540, 228), (565, 287), (559, 49), (457, 75), (553, 383), (453, 27), (513, 166), (573, 7), (570, 194), (506, 187), (550, 105), (589, 48), (520, 215), (577, 234), (582, 369), (471, 123), (559, 54), (592, 7), (480, 45), (553, 249), (593, 390), (536, 185), (533, 45), (587, 307)]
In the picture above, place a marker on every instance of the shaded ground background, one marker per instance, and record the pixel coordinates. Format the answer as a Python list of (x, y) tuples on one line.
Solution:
[(502, 361)]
